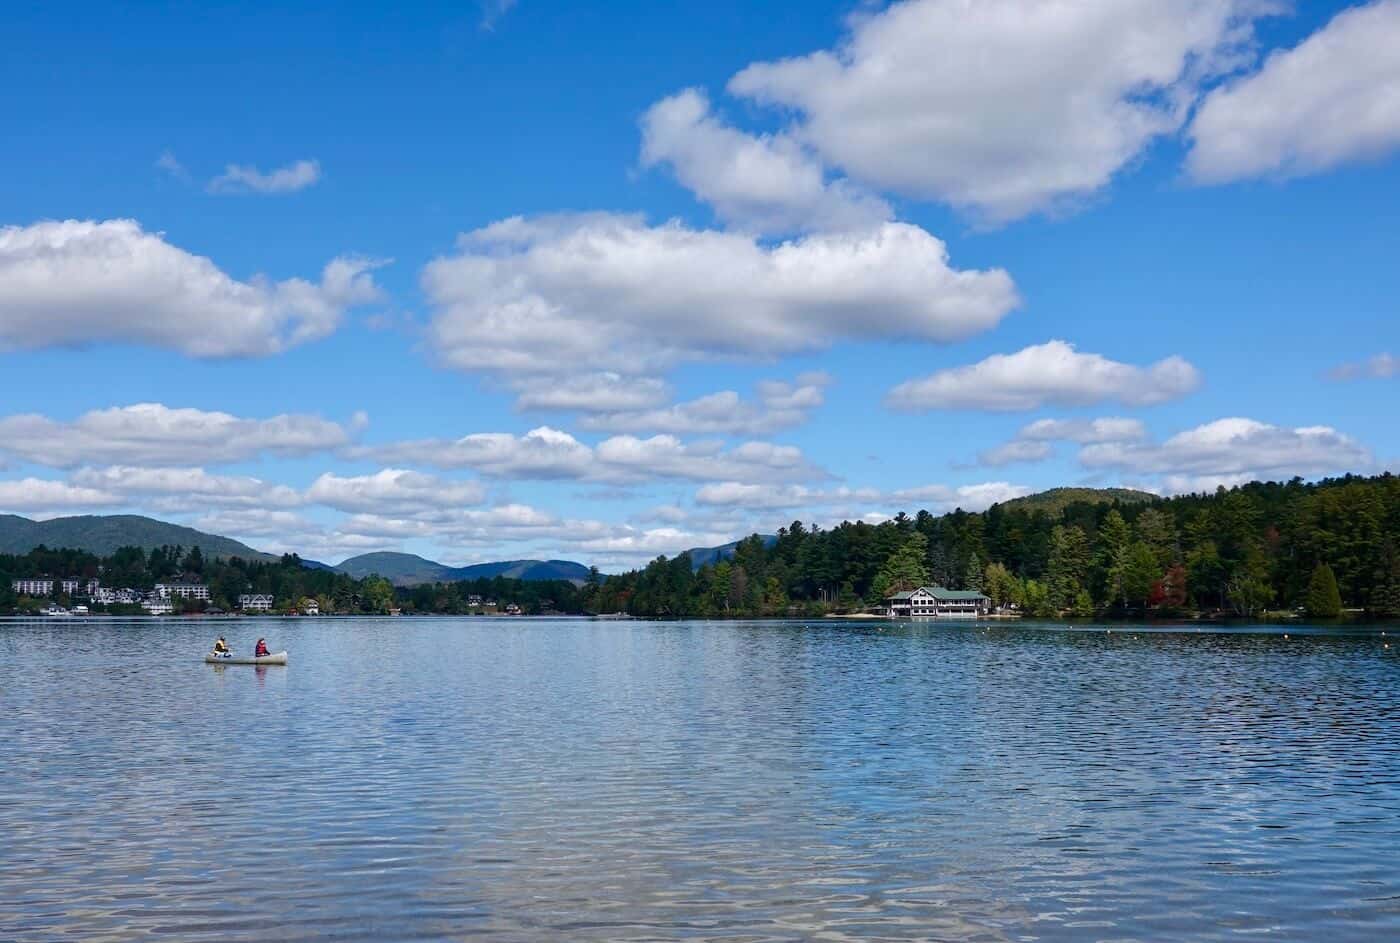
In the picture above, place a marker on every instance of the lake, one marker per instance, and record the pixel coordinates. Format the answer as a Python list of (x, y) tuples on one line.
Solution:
[(535, 779)]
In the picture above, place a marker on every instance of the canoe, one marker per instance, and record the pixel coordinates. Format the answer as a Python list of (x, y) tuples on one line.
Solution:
[(276, 658)]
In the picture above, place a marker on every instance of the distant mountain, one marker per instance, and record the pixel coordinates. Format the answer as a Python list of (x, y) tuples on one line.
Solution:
[(103, 534), (407, 569), (525, 570), (1056, 500), (700, 556)]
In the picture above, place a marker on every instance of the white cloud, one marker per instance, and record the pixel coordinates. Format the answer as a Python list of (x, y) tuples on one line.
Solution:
[(1014, 452), (1033, 442), (935, 498), (1235, 449), (978, 497), (247, 524), (78, 282), (780, 405), (598, 292), (542, 453), (154, 434), (393, 490), (42, 497), (186, 489), (590, 392), (764, 184), (1085, 431), (1053, 373), (1382, 366), (1333, 99), (171, 165), (551, 454), (1003, 107), (245, 178), (629, 458)]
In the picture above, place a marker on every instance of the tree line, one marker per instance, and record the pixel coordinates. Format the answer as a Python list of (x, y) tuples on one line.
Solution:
[(1324, 547), (288, 580)]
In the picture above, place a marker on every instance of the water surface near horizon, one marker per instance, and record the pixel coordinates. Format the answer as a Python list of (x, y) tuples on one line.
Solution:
[(573, 780)]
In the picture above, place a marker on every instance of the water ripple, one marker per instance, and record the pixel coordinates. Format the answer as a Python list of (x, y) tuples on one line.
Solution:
[(526, 780)]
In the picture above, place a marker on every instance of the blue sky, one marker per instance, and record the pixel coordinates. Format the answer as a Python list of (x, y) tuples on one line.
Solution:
[(535, 279)]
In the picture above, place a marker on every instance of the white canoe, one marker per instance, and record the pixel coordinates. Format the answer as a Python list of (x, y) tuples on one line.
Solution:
[(276, 658)]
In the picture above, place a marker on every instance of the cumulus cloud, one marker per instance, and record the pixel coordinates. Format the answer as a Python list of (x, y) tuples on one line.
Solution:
[(936, 498), (1033, 442), (760, 183), (79, 282), (1331, 100), (185, 489), (779, 405), (1085, 431), (38, 496), (393, 490), (1235, 450), (247, 524), (1015, 452), (1003, 107), (1053, 373), (590, 392), (576, 294), (151, 434), (1381, 366), (245, 178), (546, 453)]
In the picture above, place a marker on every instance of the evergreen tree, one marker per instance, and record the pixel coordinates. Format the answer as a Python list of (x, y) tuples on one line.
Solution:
[(1068, 568), (1137, 572), (1324, 600), (973, 579), (904, 570), (1109, 562)]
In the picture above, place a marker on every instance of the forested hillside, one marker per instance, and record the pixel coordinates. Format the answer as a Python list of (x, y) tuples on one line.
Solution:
[(1240, 551), (288, 580)]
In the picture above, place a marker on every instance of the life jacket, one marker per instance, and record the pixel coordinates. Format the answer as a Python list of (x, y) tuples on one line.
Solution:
[(220, 647), (261, 650)]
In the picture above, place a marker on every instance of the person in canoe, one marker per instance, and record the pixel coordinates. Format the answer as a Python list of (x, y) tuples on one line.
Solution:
[(220, 646), (260, 650)]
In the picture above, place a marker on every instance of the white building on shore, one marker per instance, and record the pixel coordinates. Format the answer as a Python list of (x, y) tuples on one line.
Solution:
[(183, 590), (255, 602), (33, 587), (935, 602)]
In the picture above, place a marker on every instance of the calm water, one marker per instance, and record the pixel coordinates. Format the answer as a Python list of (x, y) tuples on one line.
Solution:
[(568, 780)]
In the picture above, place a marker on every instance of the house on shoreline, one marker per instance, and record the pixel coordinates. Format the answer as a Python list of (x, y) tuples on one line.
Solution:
[(935, 602)]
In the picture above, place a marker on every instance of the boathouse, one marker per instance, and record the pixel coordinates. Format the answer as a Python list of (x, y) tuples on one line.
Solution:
[(935, 602)]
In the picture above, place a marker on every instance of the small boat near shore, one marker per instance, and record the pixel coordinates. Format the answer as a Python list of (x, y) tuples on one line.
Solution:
[(276, 658)]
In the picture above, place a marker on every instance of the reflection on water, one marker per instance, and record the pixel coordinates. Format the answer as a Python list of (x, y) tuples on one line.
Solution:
[(538, 780)]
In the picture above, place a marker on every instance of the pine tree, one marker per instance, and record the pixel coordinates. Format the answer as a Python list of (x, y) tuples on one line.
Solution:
[(1324, 600), (973, 579), (1114, 537)]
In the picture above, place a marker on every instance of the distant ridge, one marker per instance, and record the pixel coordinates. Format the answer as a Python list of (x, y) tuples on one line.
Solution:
[(1056, 500), (701, 556), (102, 534), (407, 569)]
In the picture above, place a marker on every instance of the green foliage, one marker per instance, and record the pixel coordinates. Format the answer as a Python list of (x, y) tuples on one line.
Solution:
[(1324, 599), (1138, 573), (904, 570), (1057, 500), (1068, 568), (999, 585), (972, 579), (1236, 550), (286, 579)]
